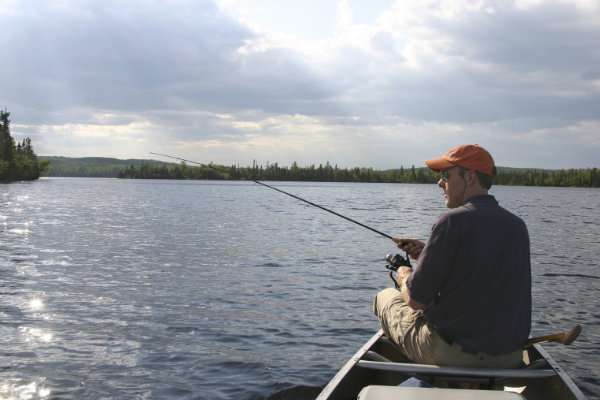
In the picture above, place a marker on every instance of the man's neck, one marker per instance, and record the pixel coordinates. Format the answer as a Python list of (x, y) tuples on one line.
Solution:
[(475, 192)]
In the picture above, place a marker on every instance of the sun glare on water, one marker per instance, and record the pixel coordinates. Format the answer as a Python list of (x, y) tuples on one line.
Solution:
[(18, 391), (36, 304), (37, 335)]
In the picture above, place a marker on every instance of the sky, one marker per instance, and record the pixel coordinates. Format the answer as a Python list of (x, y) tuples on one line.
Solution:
[(377, 83)]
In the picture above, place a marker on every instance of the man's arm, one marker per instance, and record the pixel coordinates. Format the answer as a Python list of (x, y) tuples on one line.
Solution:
[(401, 277)]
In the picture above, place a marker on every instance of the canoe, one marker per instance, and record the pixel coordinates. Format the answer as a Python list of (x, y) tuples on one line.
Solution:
[(379, 371)]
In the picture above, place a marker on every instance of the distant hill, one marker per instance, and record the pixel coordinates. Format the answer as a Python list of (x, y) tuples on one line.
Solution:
[(100, 167)]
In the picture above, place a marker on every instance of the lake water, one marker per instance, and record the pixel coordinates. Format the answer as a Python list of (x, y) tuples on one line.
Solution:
[(220, 290)]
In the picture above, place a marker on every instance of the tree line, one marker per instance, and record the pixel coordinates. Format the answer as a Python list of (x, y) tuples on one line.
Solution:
[(328, 173), (320, 173), (93, 167), (18, 161), (589, 177)]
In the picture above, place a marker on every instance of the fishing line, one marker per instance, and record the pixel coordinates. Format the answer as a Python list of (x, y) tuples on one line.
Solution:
[(288, 194)]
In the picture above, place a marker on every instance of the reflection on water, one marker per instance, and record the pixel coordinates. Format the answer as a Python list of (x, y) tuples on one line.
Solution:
[(36, 304), (36, 334), (20, 231), (218, 290), (24, 391)]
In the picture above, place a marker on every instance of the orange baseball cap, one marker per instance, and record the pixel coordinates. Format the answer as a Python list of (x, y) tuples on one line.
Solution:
[(470, 156)]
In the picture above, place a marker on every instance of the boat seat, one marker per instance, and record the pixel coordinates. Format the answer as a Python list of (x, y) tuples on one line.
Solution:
[(375, 392), (436, 370)]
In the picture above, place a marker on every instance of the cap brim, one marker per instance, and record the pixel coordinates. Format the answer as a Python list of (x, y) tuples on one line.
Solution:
[(439, 164)]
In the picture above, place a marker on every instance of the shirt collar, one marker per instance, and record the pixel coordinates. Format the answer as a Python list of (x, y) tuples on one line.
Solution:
[(482, 199)]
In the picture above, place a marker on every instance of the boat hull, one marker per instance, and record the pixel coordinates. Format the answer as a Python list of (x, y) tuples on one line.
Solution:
[(380, 362)]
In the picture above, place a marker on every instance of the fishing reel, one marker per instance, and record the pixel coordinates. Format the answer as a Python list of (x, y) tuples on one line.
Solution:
[(394, 262)]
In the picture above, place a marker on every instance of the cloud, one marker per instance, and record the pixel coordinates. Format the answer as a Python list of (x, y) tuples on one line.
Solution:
[(485, 63), (152, 55), (422, 76)]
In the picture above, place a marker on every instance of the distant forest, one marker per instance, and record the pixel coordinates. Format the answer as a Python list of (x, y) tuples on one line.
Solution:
[(18, 161), (93, 167), (329, 173)]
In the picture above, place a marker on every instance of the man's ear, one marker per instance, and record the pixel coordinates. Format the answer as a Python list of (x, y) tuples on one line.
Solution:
[(471, 177)]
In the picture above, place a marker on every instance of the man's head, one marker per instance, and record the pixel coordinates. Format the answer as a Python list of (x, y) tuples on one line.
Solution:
[(465, 171)]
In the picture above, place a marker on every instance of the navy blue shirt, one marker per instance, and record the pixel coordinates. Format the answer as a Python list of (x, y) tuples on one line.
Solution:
[(474, 275)]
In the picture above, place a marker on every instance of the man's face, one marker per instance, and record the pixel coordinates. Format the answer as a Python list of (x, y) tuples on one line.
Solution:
[(454, 186)]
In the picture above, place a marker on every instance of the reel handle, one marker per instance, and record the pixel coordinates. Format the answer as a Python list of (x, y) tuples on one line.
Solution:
[(394, 262)]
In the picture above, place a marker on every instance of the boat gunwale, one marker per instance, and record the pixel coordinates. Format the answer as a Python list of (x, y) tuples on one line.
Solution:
[(351, 363), (562, 374)]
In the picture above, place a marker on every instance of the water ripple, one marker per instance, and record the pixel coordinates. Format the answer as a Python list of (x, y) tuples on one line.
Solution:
[(567, 275), (154, 289)]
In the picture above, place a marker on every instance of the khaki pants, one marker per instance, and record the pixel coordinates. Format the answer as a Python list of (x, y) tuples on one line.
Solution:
[(421, 343)]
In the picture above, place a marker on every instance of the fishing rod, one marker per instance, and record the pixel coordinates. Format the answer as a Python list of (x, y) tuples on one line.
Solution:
[(288, 194)]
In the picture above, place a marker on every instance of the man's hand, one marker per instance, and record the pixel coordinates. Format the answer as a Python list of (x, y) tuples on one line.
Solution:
[(412, 246), (402, 273)]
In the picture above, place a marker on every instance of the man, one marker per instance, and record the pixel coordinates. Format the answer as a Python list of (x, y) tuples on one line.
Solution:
[(467, 302)]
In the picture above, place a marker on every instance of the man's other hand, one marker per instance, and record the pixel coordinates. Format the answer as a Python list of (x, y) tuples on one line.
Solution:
[(403, 273)]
